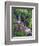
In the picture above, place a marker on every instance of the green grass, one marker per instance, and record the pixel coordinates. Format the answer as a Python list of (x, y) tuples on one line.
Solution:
[(20, 33)]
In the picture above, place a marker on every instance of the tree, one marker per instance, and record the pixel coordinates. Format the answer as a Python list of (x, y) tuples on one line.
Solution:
[(25, 14)]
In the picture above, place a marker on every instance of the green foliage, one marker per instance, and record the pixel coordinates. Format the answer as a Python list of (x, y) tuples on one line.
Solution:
[(26, 14), (23, 11), (20, 33), (30, 23)]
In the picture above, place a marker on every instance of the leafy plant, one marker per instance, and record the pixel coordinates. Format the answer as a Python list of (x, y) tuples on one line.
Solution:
[(25, 15)]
